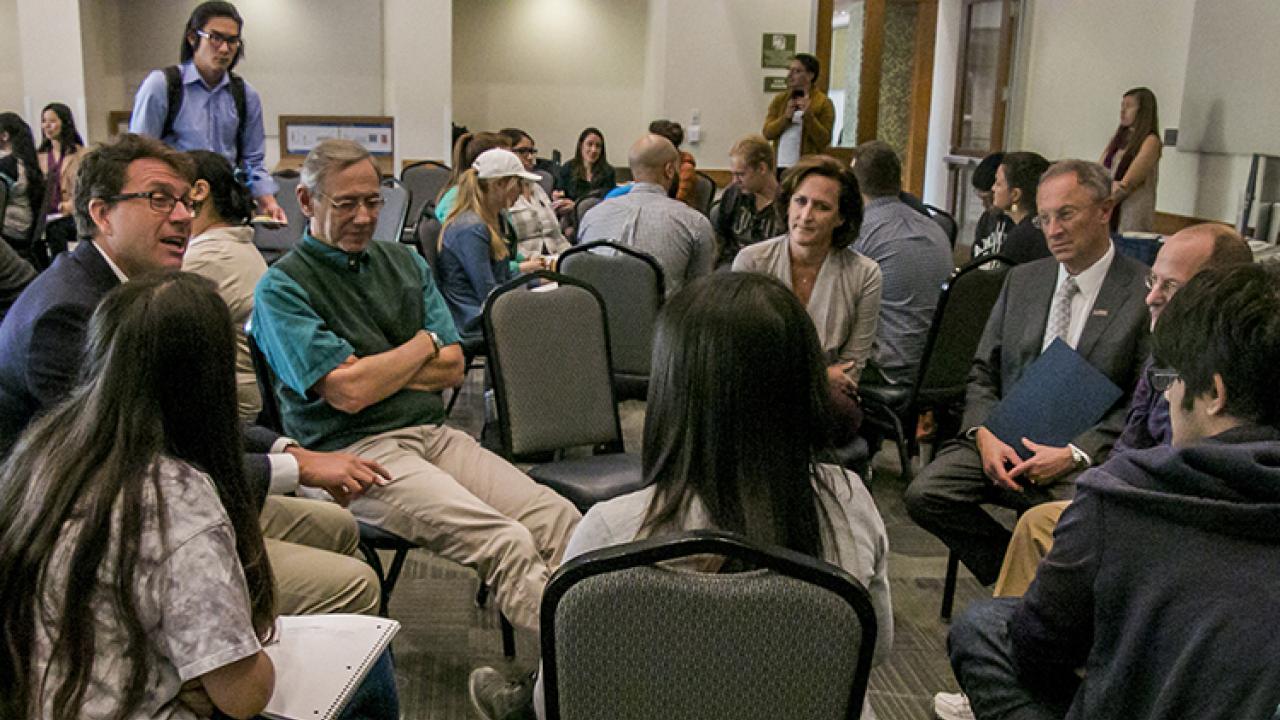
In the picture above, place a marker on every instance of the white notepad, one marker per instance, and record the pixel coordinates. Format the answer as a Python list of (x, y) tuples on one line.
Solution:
[(320, 660)]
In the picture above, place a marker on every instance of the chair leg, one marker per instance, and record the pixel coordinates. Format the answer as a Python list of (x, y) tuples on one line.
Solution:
[(949, 586), (482, 595), (453, 399), (508, 637), (375, 562), (393, 574)]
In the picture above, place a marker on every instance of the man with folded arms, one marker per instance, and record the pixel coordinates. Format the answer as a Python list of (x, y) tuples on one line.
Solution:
[(1091, 298), (1158, 598)]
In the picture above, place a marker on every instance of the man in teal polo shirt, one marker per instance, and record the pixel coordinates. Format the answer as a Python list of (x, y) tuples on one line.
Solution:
[(362, 343)]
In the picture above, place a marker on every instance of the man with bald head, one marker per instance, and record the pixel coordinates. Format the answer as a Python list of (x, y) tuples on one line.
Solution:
[(647, 219)]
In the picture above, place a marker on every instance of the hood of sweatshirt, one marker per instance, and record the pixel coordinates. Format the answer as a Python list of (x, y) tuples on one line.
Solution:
[(1228, 484)]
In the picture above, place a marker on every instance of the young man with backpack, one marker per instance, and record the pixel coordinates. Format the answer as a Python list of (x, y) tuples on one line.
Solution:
[(200, 104)]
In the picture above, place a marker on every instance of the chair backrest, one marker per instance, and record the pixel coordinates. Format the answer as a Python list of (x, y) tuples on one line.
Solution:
[(790, 637), (4, 195), (274, 242), (427, 232), (287, 197), (269, 416), (946, 221), (704, 193), (633, 289), (396, 199), (584, 204), (424, 180), (546, 180), (963, 307), (548, 349)]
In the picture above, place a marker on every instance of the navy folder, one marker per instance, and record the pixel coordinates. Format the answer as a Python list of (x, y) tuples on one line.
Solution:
[(1059, 396)]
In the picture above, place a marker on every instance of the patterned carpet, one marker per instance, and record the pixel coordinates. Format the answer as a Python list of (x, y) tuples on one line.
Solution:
[(445, 635)]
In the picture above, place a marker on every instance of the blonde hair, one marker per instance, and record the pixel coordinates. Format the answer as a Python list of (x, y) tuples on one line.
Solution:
[(472, 195), (753, 150)]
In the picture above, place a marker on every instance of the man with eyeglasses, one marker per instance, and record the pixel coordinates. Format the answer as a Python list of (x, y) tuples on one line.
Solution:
[(1088, 296), (200, 104), (362, 343), (133, 202), (1158, 597)]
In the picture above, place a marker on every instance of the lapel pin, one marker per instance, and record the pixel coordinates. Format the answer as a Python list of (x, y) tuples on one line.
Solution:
[(1099, 313)]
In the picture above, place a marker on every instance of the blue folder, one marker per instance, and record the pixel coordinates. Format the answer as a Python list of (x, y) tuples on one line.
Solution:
[(1059, 396)]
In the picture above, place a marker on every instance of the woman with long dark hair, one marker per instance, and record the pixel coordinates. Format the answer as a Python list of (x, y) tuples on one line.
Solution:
[(1014, 193), (21, 169), (129, 541), (221, 249), (532, 217), (59, 155), (735, 438), (588, 172), (1133, 157)]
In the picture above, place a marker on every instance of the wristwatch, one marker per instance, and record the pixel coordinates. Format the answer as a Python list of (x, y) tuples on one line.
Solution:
[(1079, 458), (435, 340)]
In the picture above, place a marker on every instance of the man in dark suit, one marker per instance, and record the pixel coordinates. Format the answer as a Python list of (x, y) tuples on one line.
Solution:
[(132, 203), (1089, 296)]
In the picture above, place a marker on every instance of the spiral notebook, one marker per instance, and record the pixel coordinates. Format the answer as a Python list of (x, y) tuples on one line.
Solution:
[(320, 660)]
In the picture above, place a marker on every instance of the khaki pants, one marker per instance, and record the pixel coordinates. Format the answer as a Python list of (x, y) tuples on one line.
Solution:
[(1031, 541), (312, 549), (466, 504)]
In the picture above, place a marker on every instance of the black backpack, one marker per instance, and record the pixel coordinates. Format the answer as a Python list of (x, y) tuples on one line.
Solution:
[(173, 81)]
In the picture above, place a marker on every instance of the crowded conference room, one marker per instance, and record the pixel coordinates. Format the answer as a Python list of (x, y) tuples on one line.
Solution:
[(639, 359)]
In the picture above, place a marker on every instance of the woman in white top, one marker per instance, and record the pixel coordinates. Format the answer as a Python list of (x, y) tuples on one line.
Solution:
[(838, 287), (734, 439), (532, 217), (221, 248), (1133, 157)]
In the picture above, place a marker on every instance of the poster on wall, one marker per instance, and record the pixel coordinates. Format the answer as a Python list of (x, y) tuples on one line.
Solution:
[(775, 83), (777, 49)]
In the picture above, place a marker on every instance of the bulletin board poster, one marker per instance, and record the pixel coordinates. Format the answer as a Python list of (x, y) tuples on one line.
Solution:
[(777, 50), (302, 133)]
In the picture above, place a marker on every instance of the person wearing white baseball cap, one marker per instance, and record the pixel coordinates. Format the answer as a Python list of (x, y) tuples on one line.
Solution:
[(475, 253)]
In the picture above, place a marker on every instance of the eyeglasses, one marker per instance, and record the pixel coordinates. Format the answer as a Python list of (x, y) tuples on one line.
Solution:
[(1063, 216), (526, 151), (1166, 286), (221, 40), (160, 201), (372, 203), (1160, 380)]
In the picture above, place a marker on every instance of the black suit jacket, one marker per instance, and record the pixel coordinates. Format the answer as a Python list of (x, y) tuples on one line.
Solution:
[(42, 348), (1114, 340)]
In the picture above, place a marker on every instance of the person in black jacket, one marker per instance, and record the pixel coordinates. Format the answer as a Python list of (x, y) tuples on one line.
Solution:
[(1160, 585)]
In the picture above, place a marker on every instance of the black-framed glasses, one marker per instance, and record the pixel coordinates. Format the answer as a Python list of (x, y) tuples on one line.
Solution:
[(1166, 286), (217, 38), (526, 151), (160, 201), (371, 203), (1161, 379)]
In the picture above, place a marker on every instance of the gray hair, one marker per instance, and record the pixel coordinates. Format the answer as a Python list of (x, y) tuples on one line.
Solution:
[(1092, 176), (331, 156)]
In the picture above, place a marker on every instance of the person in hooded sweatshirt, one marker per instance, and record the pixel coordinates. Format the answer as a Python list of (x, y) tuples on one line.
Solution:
[(1158, 599)]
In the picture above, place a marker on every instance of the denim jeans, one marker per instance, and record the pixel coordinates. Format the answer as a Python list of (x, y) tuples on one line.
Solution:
[(982, 660)]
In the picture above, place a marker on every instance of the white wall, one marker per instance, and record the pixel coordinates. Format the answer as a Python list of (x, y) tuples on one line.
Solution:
[(52, 60), (10, 57), (416, 91), (711, 57), (941, 107), (104, 68), (551, 68), (1082, 56)]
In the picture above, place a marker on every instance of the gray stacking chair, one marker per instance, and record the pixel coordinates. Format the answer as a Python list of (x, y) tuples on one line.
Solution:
[(424, 180), (782, 636), (396, 199), (548, 350), (704, 193), (633, 289)]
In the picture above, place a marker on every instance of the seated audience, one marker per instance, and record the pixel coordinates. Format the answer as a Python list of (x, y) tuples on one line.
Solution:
[(688, 176), (20, 169), (221, 249), (474, 254), (735, 440), (992, 223), (133, 203), (838, 287), (361, 344), (800, 119), (677, 236), (914, 255), (748, 211), (1157, 599), (1014, 193), (532, 217), (137, 584), (589, 172), (1184, 254), (466, 149), (59, 155), (1091, 298)]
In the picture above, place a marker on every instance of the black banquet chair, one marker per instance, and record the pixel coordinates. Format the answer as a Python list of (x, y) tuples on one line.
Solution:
[(784, 636)]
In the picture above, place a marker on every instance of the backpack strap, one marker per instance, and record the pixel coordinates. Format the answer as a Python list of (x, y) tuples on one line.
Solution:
[(173, 83)]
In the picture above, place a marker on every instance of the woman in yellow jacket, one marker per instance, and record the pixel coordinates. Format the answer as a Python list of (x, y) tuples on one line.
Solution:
[(800, 118)]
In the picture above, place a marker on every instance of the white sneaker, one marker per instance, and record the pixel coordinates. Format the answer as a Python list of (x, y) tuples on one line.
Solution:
[(952, 706)]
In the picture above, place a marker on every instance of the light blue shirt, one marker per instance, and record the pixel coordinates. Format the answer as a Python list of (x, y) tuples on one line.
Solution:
[(206, 121)]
